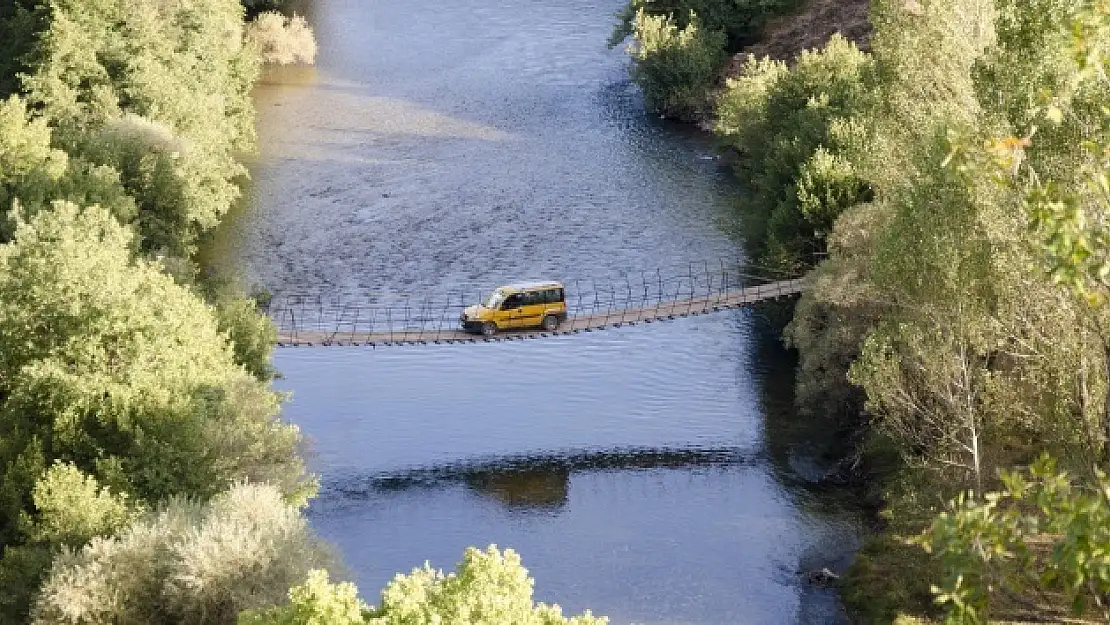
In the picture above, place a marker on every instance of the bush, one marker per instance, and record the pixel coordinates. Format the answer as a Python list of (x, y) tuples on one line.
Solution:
[(159, 92), (675, 67), (739, 20), (252, 334), (282, 40), (316, 602), (790, 127), (1041, 534), (70, 509), (489, 588), (187, 563), (109, 365)]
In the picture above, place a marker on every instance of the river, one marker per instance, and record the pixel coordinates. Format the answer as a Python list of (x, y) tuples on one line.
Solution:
[(652, 473)]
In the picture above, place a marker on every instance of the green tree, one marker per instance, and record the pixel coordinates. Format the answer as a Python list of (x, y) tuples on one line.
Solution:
[(109, 366), (29, 166), (315, 602), (1040, 534), (188, 562), (790, 127), (34, 174), (739, 20), (674, 66), (158, 92), (490, 587)]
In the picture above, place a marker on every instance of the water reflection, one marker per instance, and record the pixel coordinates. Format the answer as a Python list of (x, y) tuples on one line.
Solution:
[(539, 482), (527, 489)]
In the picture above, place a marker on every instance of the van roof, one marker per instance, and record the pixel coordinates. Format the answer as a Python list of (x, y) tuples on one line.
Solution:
[(532, 286)]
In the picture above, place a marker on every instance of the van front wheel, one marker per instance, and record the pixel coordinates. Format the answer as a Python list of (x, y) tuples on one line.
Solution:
[(489, 328), (550, 322)]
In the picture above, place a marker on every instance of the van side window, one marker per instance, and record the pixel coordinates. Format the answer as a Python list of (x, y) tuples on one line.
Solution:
[(512, 302), (553, 296), (533, 297)]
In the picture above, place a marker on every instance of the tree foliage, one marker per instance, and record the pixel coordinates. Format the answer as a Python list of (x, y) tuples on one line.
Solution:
[(315, 602), (188, 562), (159, 93), (966, 297), (675, 66), (490, 587), (282, 40), (1042, 533), (739, 20), (109, 366), (791, 127)]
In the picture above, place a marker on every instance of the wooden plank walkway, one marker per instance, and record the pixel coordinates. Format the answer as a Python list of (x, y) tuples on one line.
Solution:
[(736, 297)]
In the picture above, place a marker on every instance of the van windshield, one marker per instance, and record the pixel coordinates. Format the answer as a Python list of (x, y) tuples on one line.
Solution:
[(494, 300)]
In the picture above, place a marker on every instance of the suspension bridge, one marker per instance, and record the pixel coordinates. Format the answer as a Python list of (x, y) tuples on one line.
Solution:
[(352, 319)]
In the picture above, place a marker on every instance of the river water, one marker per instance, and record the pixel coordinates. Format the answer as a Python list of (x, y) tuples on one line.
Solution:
[(652, 473)]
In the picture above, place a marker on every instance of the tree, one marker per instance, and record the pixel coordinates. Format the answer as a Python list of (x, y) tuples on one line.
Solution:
[(791, 127), (109, 366), (739, 20), (282, 40), (315, 602), (188, 562), (158, 92), (490, 587), (673, 66), (29, 166), (1042, 533)]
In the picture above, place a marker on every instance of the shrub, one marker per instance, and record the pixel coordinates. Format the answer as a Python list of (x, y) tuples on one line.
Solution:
[(71, 508), (790, 127), (108, 364), (282, 40), (739, 20), (165, 83), (675, 66), (252, 334), (489, 588), (187, 563), (315, 602)]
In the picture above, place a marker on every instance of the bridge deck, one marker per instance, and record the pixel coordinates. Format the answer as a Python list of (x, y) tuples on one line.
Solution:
[(587, 321)]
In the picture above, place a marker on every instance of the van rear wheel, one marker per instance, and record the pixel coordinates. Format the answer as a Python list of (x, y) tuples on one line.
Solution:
[(489, 328), (550, 322)]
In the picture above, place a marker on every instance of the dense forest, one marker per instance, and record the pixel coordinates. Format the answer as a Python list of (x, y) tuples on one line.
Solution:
[(145, 473), (946, 190)]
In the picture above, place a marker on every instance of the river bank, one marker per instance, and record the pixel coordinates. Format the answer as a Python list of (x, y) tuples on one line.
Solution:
[(888, 576)]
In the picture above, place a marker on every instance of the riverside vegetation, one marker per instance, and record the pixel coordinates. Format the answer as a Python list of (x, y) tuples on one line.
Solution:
[(947, 191), (145, 474)]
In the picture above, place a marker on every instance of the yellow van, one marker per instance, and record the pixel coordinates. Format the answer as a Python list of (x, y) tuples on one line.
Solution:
[(516, 306)]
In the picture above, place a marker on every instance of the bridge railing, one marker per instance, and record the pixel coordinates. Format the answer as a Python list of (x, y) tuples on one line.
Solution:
[(590, 303)]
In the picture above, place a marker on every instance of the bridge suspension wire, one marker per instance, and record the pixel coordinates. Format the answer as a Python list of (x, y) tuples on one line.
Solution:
[(350, 318)]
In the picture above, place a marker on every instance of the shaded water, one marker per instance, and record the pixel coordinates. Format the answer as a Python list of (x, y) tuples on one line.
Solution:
[(650, 473)]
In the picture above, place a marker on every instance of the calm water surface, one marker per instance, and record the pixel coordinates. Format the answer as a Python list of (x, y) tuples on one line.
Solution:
[(650, 473)]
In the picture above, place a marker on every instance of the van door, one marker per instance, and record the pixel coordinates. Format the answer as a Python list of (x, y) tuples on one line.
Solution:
[(533, 309), (510, 313), (556, 303)]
